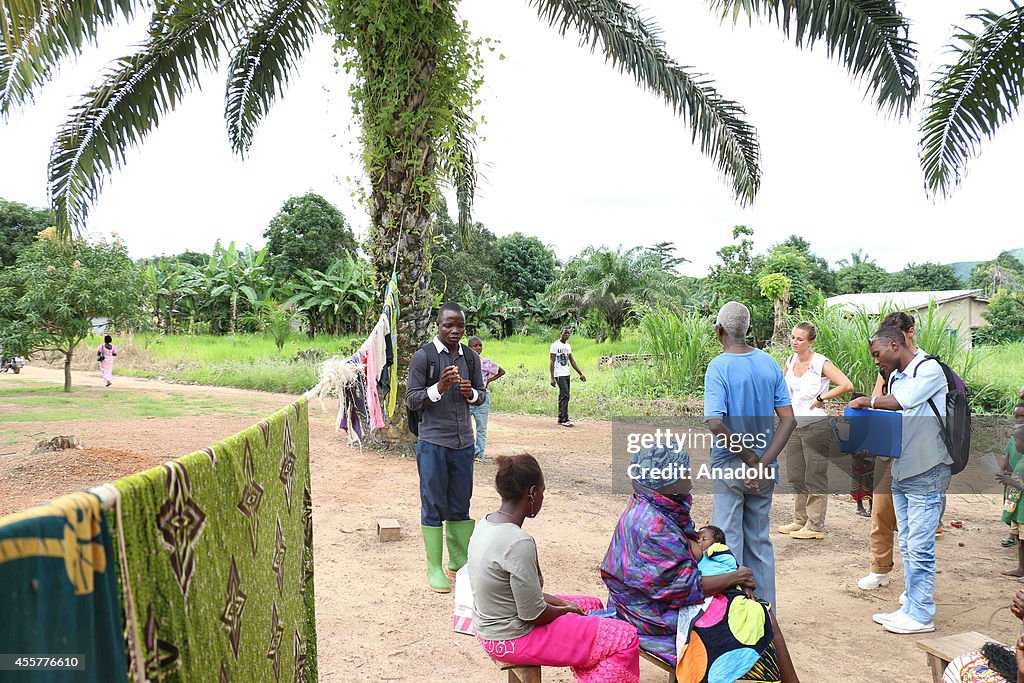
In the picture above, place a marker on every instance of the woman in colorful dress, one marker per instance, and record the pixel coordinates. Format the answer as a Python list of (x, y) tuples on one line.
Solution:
[(703, 625), (515, 620), (808, 375), (105, 355)]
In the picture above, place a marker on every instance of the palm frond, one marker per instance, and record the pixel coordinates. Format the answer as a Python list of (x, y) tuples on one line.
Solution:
[(263, 63), (632, 44), (972, 96), (458, 165), (37, 36), (869, 37), (135, 94)]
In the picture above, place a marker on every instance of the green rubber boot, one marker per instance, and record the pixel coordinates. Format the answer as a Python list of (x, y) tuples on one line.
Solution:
[(458, 534), (433, 542)]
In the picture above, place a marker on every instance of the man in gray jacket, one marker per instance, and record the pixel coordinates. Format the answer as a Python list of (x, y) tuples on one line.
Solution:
[(444, 380)]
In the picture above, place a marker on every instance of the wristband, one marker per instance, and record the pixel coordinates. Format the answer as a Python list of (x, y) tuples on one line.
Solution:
[(819, 399), (873, 402)]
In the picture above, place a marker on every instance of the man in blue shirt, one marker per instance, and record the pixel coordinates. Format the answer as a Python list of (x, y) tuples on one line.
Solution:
[(744, 390), (920, 476)]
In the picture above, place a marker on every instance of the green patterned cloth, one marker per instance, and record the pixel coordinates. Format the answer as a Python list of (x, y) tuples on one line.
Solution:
[(219, 560), (58, 590)]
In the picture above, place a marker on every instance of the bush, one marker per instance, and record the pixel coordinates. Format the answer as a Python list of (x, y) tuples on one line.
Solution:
[(682, 346)]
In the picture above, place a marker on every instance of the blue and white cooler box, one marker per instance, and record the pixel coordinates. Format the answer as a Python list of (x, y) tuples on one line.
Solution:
[(879, 432)]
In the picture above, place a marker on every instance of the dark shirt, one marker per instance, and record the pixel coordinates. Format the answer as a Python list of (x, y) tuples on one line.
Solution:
[(446, 422)]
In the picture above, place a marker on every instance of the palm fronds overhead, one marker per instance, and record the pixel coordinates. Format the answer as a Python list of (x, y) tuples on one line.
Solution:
[(972, 96), (632, 44), (264, 62)]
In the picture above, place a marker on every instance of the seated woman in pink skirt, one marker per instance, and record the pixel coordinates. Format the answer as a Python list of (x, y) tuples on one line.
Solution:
[(515, 620)]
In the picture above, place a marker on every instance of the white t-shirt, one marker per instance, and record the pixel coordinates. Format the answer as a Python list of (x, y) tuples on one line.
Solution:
[(804, 390), (562, 350)]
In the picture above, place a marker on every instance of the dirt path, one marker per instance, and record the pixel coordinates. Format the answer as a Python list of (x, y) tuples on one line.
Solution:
[(378, 622)]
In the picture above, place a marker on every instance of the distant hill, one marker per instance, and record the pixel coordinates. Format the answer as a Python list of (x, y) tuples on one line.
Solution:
[(963, 268)]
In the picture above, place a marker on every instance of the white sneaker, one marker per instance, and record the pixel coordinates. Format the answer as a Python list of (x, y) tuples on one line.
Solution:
[(902, 623), (873, 581), (884, 618), (903, 598)]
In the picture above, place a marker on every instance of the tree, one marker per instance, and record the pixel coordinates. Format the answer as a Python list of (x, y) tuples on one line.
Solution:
[(859, 274), (335, 299), (923, 277), (524, 265), (734, 278), (231, 274), (820, 275), (791, 263), (50, 296), (459, 261), (972, 96), (1005, 272), (416, 71), (1005, 315), (666, 253), (614, 284), (776, 288), (19, 225), (308, 233)]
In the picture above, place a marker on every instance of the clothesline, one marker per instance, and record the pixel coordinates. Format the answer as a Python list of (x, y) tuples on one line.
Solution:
[(365, 383)]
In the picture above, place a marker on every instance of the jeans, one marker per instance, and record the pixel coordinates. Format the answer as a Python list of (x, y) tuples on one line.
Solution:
[(480, 414), (446, 482), (743, 516), (563, 398), (918, 504)]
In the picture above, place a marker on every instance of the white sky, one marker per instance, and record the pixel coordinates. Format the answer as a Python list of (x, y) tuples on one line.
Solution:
[(573, 152)]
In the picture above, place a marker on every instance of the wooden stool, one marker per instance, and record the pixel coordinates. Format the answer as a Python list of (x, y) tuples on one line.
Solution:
[(520, 673), (660, 663), (941, 651)]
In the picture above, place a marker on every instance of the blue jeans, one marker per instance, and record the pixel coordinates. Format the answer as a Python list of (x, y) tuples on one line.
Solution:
[(918, 503), (446, 482), (743, 516), (481, 413)]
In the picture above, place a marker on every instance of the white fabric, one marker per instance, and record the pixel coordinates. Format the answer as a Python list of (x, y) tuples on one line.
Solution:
[(804, 390), (562, 351)]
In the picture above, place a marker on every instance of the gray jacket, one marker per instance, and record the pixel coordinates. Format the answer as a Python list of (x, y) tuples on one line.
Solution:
[(445, 421)]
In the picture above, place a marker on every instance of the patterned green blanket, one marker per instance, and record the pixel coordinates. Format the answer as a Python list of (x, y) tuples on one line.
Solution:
[(219, 560)]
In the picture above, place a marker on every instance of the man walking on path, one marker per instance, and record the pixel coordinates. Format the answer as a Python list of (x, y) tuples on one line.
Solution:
[(561, 359), (744, 390), (920, 476), (444, 381)]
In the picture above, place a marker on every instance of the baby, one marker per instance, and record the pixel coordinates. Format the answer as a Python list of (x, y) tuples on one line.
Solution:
[(718, 559)]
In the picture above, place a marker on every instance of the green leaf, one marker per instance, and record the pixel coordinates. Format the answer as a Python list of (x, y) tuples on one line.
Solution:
[(632, 44), (972, 97)]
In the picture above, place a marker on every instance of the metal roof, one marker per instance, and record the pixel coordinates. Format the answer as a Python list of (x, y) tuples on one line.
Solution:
[(907, 301)]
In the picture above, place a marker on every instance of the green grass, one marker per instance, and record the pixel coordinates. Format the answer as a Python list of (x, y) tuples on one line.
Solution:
[(994, 374), (47, 403)]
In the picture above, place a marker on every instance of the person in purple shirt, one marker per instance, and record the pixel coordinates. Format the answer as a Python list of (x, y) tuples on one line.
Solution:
[(481, 413), (744, 390)]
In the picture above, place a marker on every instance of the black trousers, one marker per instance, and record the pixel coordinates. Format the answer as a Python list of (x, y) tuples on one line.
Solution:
[(563, 398)]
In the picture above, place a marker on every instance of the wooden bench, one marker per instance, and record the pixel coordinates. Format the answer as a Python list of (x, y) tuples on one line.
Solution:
[(518, 673), (942, 650)]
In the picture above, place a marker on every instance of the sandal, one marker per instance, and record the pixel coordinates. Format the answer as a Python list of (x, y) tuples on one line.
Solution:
[(1008, 541)]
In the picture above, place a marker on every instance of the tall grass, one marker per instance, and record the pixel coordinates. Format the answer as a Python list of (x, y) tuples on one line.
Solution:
[(843, 338), (682, 345)]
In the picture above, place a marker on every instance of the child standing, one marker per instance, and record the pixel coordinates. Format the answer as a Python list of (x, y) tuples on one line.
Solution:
[(1013, 510), (481, 413)]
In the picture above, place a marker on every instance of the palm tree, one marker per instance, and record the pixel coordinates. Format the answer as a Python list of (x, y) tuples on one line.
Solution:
[(971, 97), (614, 283), (415, 90)]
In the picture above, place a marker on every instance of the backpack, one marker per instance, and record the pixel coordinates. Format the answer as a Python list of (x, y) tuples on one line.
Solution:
[(956, 430), (413, 417)]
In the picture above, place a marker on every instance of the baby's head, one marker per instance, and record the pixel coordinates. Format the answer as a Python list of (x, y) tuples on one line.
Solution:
[(709, 535)]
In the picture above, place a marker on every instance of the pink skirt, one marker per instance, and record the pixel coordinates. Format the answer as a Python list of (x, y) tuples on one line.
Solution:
[(598, 650)]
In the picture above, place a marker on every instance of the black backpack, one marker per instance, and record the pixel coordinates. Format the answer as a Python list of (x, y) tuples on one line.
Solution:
[(956, 429), (413, 417)]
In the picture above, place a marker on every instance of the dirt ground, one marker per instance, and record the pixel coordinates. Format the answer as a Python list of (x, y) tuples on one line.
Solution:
[(377, 621)]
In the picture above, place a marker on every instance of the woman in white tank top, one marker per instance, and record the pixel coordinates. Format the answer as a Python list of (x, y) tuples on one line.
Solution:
[(808, 375)]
